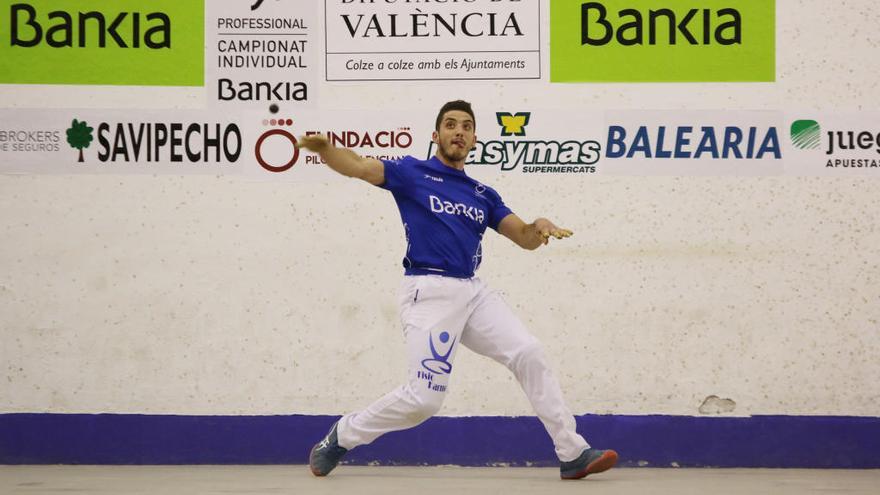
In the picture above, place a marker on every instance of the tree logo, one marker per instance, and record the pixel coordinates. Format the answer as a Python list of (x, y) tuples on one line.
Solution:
[(79, 136)]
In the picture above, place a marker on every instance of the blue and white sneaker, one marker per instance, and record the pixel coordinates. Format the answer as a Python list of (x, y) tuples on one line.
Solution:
[(591, 461), (326, 454)]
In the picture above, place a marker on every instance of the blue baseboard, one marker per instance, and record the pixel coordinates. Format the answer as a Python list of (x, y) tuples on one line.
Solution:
[(651, 441)]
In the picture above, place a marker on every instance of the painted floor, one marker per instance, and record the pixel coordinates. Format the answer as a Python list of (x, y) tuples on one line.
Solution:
[(358, 480)]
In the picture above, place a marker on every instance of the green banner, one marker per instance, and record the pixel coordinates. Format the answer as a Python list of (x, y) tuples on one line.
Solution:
[(662, 41), (123, 42)]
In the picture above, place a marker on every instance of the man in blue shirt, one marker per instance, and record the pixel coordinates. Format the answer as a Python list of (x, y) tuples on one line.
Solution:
[(445, 214)]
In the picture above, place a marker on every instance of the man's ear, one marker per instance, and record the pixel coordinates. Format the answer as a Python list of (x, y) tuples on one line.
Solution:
[(435, 138), (475, 142)]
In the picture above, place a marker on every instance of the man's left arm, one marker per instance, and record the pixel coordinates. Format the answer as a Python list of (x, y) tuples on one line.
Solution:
[(530, 235)]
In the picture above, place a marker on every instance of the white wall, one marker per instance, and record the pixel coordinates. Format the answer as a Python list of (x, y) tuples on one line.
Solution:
[(206, 295)]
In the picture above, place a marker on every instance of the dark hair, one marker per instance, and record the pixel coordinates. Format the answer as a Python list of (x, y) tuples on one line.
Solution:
[(455, 105)]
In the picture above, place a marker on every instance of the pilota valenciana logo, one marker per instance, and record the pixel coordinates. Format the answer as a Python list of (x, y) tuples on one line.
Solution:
[(279, 131), (124, 42), (276, 149)]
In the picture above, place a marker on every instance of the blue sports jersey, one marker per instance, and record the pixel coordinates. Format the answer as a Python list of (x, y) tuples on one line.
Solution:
[(444, 213)]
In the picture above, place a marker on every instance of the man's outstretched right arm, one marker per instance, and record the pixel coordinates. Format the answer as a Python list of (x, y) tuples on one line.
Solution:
[(343, 160)]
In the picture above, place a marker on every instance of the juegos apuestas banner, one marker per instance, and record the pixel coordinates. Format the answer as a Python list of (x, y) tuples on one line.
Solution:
[(511, 141)]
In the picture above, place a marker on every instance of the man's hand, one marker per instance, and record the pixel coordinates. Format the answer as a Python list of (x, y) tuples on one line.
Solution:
[(530, 236), (317, 143), (545, 228)]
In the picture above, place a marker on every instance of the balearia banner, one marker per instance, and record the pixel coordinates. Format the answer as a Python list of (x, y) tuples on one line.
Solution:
[(662, 40), (694, 143), (123, 42)]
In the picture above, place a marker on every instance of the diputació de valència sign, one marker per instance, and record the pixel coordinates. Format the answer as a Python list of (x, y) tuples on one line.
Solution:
[(400, 40)]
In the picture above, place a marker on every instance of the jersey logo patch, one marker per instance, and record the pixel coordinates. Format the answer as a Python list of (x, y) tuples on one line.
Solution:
[(479, 190), (435, 179), (460, 209)]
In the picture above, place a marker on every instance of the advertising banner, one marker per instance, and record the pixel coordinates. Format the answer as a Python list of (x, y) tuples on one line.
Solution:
[(119, 142), (397, 41), (662, 41), (251, 145), (517, 141), (828, 144), (124, 42), (261, 52), (693, 143), (527, 141), (274, 157)]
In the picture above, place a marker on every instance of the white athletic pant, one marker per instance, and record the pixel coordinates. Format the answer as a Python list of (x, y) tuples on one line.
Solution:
[(438, 314)]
